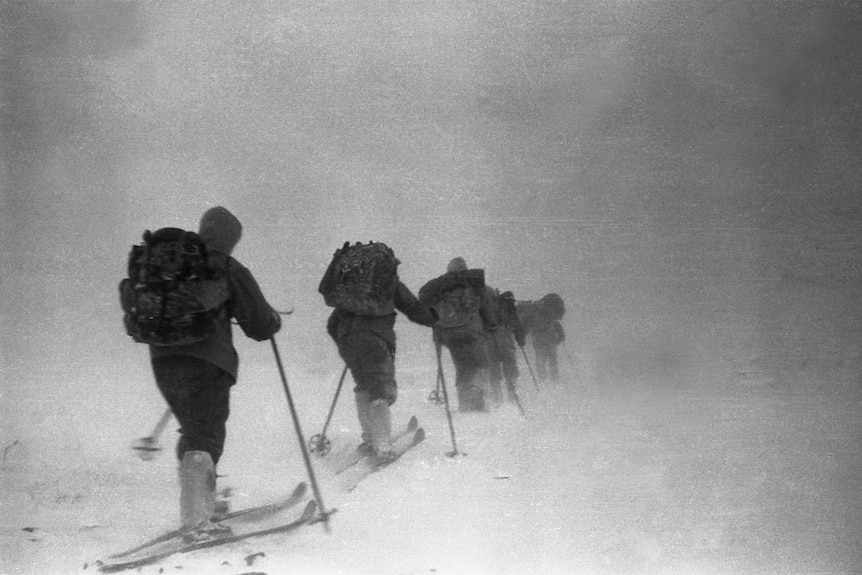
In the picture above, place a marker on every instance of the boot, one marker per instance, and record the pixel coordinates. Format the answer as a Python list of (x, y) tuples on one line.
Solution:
[(380, 419), (363, 405), (222, 508), (198, 498)]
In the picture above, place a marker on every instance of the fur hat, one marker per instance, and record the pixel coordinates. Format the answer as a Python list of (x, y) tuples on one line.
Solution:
[(457, 265), (220, 230)]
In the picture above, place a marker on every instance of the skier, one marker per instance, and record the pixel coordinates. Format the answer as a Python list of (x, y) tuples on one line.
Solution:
[(501, 346), (366, 340), (541, 320), (466, 313), (195, 379)]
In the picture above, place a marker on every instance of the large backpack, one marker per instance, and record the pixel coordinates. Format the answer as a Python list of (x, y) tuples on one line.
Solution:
[(173, 293), (361, 279), (457, 298), (553, 306)]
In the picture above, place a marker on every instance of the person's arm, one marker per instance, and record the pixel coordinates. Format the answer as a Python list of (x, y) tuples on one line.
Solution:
[(518, 330), (406, 303), (255, 316), (487, 309), (559, 332)]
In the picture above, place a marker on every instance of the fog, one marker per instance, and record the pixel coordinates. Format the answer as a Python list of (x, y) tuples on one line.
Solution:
[(633, 156)]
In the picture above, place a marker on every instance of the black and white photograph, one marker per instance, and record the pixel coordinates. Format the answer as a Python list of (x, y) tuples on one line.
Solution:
[(431, 287)]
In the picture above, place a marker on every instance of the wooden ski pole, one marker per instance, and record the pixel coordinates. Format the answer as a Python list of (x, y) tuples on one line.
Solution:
[(454, 451), (530, 367), (306, 458), (148, 447), (319, 443)]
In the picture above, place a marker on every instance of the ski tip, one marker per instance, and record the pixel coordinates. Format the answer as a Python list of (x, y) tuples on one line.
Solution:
[(413, 424)]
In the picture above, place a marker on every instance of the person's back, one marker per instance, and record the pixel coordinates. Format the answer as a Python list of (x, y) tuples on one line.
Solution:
[(363, 329), (542, 323), (463, 305), (221, 232), (195, 379)]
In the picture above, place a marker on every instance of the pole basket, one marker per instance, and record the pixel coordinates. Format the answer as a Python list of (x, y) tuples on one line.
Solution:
[(319, 444)]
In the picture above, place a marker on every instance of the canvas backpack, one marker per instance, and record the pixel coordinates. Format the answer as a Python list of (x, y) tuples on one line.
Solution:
[(458, 309), (553, 306), (173, 294), (457, 298), (361, 279)]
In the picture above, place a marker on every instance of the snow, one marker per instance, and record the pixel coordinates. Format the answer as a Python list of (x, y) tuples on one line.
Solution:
[(684, 173), (690, 461)]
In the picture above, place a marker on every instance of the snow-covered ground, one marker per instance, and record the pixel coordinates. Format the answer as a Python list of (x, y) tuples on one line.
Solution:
[(684, 173), (720, 440)]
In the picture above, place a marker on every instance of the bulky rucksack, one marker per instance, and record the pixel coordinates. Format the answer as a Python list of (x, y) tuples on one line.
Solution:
[(553, 306), (458, 308), (361, 279), (173, 293), (457, 298)]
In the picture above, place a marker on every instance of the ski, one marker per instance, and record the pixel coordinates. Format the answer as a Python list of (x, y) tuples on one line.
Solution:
[(370, 464), (248, 513), (307, 516), (355, 457)]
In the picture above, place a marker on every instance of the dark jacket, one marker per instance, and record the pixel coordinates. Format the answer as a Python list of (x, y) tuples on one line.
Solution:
[(221, 231), (474, 279), (540, 323), (342, 323), (246, 303), (507, 316)]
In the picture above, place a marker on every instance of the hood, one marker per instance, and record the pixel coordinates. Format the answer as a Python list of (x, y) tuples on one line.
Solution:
[(457, 265), (220, 230)]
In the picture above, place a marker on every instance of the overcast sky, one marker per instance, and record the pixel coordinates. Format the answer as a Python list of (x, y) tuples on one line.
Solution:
[(597, 149)]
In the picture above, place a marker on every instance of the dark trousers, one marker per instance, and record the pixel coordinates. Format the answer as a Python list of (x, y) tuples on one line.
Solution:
[(547, 366), (371, 364), (503, 361), (198, 393), (470, 356)]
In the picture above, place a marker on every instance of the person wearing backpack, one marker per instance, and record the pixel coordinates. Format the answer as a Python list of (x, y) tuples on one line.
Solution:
[(466, 313), (541, 321), (501, 347), (195, 374), (362, 284)]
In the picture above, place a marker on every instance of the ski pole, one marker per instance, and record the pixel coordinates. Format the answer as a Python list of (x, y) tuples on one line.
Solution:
[(454, 451), (148, 447), (530, 367), (319, 443), (436, 395), (517, 399), (305, 457)]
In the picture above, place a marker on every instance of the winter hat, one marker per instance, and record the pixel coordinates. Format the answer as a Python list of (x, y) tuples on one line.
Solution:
[(220, 230), (457, 265)]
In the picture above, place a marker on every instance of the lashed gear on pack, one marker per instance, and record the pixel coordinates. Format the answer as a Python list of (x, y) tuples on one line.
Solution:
[(361, 279), (458, 309), (457, 299), (173, 294), (553, 306)]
